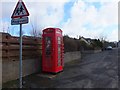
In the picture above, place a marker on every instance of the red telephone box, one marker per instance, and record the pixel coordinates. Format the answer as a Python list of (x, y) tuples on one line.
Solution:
[(52, 50)]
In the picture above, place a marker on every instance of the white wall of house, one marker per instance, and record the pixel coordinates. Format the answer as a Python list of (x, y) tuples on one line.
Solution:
[(85, 41)]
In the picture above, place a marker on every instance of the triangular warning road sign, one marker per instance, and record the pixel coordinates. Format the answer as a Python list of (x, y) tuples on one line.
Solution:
[(20, 10)]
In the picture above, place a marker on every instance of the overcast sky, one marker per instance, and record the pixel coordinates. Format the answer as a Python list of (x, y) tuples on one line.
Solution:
[(88, 18)]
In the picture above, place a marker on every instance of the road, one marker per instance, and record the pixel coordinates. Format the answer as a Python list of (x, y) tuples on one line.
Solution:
[(99, 70)]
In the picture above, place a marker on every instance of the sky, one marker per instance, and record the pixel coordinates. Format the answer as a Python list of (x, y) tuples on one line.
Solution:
[(87, 18)]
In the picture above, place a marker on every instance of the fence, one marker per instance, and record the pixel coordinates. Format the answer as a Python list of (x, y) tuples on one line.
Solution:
[(10, 47), (31, 56)]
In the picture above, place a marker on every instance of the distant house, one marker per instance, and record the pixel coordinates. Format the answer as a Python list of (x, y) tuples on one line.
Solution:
[(86, 40), (89, 40)]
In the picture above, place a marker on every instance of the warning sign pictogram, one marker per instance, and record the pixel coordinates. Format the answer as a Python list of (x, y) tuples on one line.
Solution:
[(20, 10)]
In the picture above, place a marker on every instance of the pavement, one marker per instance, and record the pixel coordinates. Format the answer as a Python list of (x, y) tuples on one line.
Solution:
[(98, 70)]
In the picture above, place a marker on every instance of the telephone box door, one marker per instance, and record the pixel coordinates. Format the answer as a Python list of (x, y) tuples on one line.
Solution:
[(48, 58), (60, 50)]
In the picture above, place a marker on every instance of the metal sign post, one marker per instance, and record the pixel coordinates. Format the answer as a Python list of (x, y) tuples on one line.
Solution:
[(19, 17), (20, 64)]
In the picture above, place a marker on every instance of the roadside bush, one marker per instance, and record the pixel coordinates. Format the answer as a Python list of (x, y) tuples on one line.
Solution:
[(69, 44), (97, 44), (73, 44), (85, 46)]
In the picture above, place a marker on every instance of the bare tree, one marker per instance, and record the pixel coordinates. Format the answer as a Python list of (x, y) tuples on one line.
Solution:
[(103, 38), (35, 31), (6, 28), (3, 27), (104, 41)]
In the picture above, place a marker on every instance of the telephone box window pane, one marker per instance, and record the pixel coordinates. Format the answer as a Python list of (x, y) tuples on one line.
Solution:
[(59, 42), (59, 49), (59, 38), (59, 62), (48, 45), (59, 56), (59, 52), (59, 45)]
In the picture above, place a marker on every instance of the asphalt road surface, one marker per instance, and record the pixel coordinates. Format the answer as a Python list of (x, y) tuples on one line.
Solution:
[(99, 70)]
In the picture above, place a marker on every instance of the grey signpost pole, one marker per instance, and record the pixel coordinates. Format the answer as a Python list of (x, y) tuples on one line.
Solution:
[(19, 18), (20, 64)]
